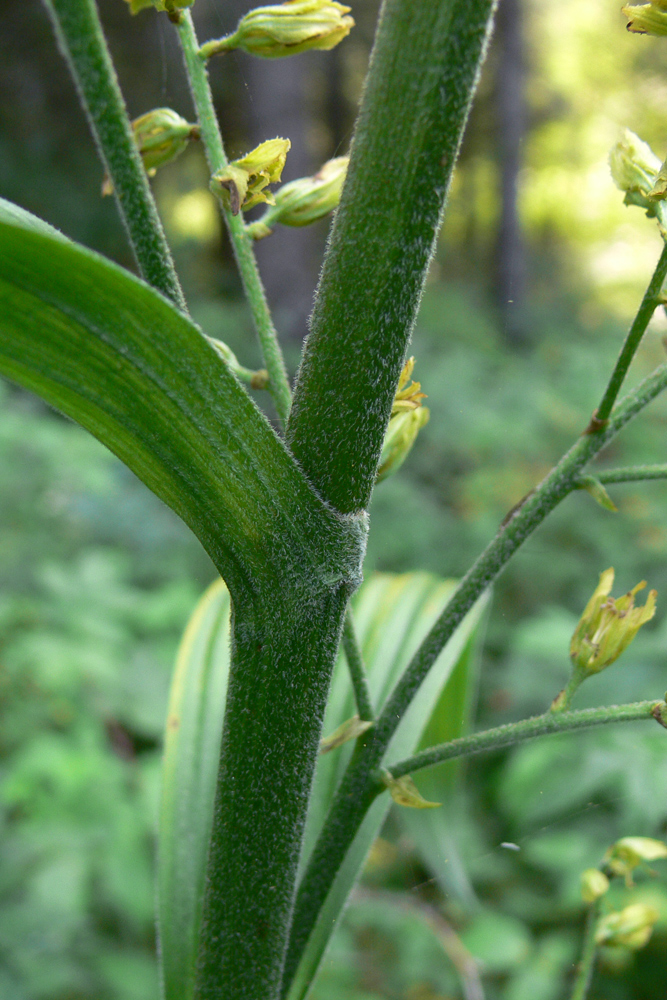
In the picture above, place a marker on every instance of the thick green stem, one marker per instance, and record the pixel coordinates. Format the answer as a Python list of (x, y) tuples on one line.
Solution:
[(586, 966), (355, 794), (245, 257), (269, 748), (355, 663), (642, 319), (632, 473), (527, 729), (82, 42), (421, 79)]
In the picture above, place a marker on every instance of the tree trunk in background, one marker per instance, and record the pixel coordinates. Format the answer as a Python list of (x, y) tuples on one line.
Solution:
[(510, 276)]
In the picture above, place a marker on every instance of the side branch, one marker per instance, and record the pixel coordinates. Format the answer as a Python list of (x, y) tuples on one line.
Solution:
[(357, 670), (527, 729), (82, 42), (632, 474), (632, 341), (195, 66)]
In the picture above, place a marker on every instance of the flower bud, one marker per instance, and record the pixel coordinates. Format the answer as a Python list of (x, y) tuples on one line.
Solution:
[(241, 184), (630, 928), (623, 857), (305, 200), (634, 168), (594, 884), (286, 29), (647, 18), (161, 135), (608, 625), (408, 416), (172, 7)]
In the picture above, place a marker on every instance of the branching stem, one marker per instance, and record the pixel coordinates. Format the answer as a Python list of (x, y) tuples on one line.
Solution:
[(82, 42), (245, 257), (357, 791), (355, 663), (527, 729), (632, 473), (586, 965), (642, 319)]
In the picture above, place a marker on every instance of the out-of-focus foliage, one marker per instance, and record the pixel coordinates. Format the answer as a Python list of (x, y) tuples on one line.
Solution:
[(97, 578)]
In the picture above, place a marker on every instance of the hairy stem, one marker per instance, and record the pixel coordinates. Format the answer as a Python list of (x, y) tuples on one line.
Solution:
[(632, 473), (586, 966), (420, 83), (642, 319), (82, 42), (355, 663), (195, 66), (527, 729), (354, 795)]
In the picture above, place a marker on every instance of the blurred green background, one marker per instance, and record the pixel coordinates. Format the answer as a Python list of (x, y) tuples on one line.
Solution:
[(539, 270)]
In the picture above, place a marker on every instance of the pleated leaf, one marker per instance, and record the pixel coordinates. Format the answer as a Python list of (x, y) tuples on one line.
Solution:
[(190, 767), (111, 353)]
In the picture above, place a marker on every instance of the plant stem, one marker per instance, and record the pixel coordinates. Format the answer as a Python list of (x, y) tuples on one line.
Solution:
[(586, 965), (632, 473), (633, 339), (561, 702), (354, 794), (197, 74), (82, 42), (527, 729), (422, 75), (355, 663)]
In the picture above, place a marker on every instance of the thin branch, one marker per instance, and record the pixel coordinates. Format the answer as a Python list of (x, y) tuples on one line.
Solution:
[(197, 74), (586, 966), (642, 319), (355, 663), (82, 42), (527, 729), (631, 474)]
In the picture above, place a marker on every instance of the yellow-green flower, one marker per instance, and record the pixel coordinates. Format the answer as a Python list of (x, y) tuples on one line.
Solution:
[(630, 928), (608, 625), (286, 29), (623, 857), (594, 884), (408, 416), (647, 18), (634, 168), (243, 183), (161, 135), (304, 200)]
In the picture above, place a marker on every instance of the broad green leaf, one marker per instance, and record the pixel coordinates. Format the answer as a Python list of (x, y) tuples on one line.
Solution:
[(190, 767), (108, 351), (392, 616)]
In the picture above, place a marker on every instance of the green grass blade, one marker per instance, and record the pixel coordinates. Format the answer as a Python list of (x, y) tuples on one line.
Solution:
[(189, 771), (392, 615)]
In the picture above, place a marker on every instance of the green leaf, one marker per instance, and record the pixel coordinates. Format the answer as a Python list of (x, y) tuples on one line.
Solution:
[(392, 615), (117, 357), (190, 767)]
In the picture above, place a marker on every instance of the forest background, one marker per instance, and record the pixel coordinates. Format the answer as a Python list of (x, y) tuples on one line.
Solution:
[(539, 269)]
